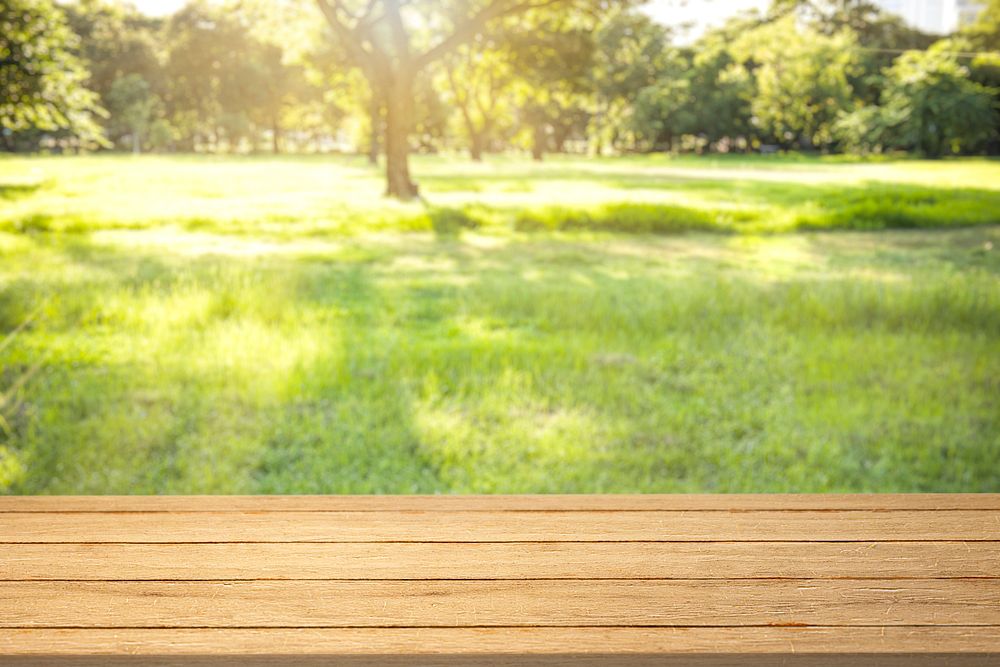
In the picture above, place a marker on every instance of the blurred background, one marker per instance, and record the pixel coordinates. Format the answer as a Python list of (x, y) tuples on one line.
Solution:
[(429, 246), (589, 77)]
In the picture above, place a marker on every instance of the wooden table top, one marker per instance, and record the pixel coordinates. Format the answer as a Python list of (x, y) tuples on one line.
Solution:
[(501, 580)]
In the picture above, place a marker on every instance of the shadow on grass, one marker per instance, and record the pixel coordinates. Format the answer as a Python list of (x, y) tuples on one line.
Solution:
[(132, 405), (10, 191), (347, 426), (733, 204)]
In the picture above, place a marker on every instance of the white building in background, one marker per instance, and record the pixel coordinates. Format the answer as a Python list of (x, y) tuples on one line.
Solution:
[(934, 16), (968, 10)]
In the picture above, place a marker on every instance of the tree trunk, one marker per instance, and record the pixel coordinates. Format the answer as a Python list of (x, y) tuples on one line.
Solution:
[(136, 142), (477, 137), (476, 147), (562, 136), (538, 143), (375, 118), (398, 119), (275, 136)]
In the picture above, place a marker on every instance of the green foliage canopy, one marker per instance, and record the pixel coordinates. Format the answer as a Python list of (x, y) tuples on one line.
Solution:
[(931, 106), (41, 80), (802, 79), (132, 104), (390, 77)]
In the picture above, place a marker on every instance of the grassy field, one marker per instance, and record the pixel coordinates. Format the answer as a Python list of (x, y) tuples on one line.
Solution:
[(318, 196), (256, 325)]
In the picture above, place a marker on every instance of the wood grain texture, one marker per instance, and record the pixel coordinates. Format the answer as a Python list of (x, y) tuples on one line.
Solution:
[(548, 581), (553, 560), (512, 526), (538, 503), (500, 603)]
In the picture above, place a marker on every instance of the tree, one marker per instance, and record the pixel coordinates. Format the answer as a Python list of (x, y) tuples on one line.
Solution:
[(132, 103), (479, 77), (162, 135), (334, 91), (284, 75), (872, 26), (196, 59), (880, 34), (930, 104), (984, 33), (392, 41), (256, 83), (802, 80), (258, 87), (225, 82), (41, 80), (431, 114), (552, 54), (862, 130), (701, 91), (632, 54), (721, 93), (663, 112), (983, 36), (115, 42)]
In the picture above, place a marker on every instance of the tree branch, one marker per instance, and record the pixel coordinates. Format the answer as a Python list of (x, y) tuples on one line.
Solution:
[(374, 63), (399, 36), (346, 34), (472, 25)]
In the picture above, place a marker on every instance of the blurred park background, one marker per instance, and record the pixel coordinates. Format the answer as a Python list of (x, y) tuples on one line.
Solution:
[(431, 246)]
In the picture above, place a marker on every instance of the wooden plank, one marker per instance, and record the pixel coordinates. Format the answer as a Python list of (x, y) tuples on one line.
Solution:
[(510, 660), (500, 641), (594, 580), (652, 502), (500, 603), (908, 525), (569, 560)]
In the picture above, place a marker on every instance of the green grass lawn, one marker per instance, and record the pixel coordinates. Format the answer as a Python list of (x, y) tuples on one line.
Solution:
[(258, 325), (318, 196)]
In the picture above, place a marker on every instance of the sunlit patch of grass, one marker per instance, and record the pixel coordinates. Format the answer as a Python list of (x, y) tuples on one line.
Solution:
[(289, 198)]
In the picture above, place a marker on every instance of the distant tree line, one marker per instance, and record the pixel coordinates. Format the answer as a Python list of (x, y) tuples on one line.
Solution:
[(537, 76)]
